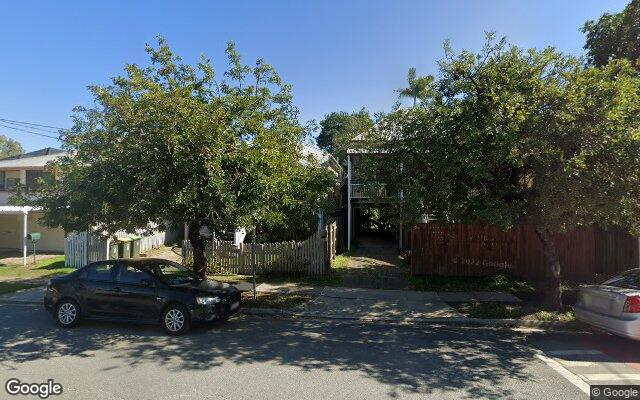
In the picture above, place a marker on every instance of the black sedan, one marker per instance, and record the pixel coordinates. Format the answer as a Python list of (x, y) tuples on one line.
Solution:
[(140, 290)]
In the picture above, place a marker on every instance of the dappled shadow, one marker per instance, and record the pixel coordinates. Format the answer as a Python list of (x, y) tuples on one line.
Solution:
[(375, 264), (408, 359)]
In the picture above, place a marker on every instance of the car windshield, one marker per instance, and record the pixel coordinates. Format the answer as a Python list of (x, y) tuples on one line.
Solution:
[(173, 273), (626, 280)]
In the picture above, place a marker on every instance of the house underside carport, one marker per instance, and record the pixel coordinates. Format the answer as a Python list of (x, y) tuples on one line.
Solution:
[(12, 218), (17, 222)]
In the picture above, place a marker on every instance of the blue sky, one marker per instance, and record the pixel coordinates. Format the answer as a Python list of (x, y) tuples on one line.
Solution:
[(339, 55)]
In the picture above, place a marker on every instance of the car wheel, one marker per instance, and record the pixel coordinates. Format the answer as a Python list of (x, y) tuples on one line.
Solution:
[(175, 319), (67, 313)]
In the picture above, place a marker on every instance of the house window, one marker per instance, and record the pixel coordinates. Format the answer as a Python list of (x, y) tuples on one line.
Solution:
[(2, 176), (12, 183), (35, 177)]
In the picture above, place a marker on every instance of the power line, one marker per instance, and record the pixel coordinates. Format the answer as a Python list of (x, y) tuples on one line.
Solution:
[(30, 127), (33, 133), (31, 123)]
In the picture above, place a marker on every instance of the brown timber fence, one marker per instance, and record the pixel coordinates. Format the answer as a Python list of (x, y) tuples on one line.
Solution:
[(309, 257), (474, 249)]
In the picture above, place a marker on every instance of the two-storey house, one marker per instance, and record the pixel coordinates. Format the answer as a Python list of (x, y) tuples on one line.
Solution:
[(16, 222)]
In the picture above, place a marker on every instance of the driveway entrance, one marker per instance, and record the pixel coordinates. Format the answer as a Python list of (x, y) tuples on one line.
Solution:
[(375, 264)]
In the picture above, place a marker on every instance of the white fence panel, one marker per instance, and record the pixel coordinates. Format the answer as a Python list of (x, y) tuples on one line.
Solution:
[(82, 248)]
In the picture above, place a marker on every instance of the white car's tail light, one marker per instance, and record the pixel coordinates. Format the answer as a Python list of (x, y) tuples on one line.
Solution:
[(632, 305)]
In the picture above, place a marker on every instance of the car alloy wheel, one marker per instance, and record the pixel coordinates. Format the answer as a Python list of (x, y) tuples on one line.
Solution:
[(176, 320), (67, 314)]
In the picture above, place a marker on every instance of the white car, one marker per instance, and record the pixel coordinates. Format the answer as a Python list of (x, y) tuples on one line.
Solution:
[(613, 306)]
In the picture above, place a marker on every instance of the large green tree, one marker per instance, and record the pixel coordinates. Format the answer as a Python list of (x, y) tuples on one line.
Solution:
[(337, 129), (9, 147), (172, 142), (517, 136), (614, 36)]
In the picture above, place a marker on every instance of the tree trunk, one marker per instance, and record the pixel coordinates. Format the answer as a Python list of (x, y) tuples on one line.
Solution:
[(551, 289), (198, 247)]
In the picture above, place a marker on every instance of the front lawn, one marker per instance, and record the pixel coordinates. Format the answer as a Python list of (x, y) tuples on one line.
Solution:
[(334, 278), (43, 269), (341, 261)]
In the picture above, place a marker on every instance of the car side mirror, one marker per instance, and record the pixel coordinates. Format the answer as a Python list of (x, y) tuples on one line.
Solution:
[(147, 282)]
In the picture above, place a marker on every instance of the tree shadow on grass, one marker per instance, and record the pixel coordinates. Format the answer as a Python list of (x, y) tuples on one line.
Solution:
[(408, 359), (54, 265)]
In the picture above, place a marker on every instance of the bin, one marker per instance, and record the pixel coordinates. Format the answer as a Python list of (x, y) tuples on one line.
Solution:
[(135, 245), (113, 250), (124, 248)]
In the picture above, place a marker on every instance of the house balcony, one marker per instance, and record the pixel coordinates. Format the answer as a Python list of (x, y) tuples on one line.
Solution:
[(361, 191)]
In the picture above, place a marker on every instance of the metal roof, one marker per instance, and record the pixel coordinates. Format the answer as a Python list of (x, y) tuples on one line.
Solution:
[(42, 152), (34, 159), (17, 209)]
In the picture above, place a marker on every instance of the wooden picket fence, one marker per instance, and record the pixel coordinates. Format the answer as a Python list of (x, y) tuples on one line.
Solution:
[(309, 257)]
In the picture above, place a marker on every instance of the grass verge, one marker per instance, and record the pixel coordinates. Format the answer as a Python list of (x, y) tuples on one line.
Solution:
[(496, 283), (331, 279), (527, 312), (273, 300)]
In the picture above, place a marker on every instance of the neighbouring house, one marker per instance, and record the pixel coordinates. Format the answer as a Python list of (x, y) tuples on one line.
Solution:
[(477, 249), (18, 221), (360, 195)]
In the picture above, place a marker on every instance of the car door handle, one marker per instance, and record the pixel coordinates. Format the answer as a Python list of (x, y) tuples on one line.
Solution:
[(115, 289), (80, 286)]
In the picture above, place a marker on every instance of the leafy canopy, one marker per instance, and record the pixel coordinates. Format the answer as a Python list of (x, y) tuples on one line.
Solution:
[(173, 142), (614, 36), (339, 128), (9, 147), (512, 135)]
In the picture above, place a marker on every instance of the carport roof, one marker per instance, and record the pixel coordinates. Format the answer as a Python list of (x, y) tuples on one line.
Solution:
[(17, 209)]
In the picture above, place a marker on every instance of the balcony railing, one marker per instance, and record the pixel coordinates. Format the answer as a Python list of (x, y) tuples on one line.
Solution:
[(364, 191)]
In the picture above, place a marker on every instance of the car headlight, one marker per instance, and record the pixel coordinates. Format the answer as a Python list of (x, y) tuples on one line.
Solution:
[(203, 301)]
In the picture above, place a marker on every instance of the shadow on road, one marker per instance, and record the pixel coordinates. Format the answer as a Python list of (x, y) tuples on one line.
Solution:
[(417, 360)]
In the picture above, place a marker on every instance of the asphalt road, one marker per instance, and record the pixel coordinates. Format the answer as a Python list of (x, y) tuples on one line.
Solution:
[(259, 358)]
